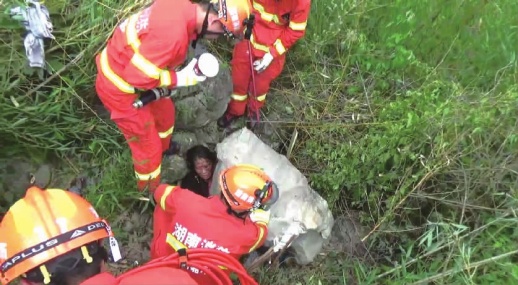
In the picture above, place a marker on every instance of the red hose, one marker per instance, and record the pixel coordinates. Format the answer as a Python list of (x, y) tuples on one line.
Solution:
[(207, 259)]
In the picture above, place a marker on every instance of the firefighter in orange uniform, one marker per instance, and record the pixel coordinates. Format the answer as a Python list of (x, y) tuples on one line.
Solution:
[(143, 53), (233, 222), (55, 237), (278, 25)]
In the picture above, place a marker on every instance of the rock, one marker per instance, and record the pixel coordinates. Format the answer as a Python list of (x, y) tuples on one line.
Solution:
[(346, 236), (43, 176), (16, 175), (297, 201), (197, 107), (209, 135), (185, 139), (174, 168)]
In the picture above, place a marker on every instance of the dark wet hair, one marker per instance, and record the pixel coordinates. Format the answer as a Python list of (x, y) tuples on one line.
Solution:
[(199, 151)]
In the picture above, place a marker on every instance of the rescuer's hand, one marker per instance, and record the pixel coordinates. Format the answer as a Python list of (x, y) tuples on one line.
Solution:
[(260, 65), (187, 76)]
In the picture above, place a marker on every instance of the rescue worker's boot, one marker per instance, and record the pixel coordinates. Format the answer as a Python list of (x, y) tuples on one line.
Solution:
[(226, 120), (174, 148)]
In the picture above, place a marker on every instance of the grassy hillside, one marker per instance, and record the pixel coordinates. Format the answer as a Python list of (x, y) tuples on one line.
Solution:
[(406, 112)]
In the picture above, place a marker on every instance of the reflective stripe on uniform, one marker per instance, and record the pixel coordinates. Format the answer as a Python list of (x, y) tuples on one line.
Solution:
[(177, 245), (257, 45), (148, 176), (269, 17), (261, 234), (261, 97), (167, 191), (112, 76), (167, 133), (138, 60), (174, 243), (165, 78), (238, 97), (143, 64), (298, 26), (279, 46)]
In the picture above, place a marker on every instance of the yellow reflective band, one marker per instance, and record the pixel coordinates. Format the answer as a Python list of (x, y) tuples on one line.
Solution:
[(298, 26), (279, 46), (165, 78), (261, 97), (265, 15), (174, 243), (131, 32), (167, 191), (45, 273), (148, 176), (114, 78), (138, 59), (145, 66), (238, 97), (257, 45), (86, 255), (256, 244), (167, 133)]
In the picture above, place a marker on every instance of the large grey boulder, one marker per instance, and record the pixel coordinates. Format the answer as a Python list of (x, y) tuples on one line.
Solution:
[(297, 201)]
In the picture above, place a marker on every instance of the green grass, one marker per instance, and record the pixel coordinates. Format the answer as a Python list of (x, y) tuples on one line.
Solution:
[(406, 112)]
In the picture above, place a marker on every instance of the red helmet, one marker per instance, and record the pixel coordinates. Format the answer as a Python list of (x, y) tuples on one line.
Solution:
[(246, 187), (43, 225)]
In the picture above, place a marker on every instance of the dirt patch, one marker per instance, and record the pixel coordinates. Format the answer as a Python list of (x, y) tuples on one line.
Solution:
[(134, 231)]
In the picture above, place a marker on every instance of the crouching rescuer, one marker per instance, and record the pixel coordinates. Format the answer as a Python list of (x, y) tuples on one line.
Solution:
[(144, 53), (56, 237), (234, 222)]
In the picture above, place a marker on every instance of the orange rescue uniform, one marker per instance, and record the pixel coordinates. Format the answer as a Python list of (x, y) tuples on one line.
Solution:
[(142, 54), (278, 25), (187, 219)]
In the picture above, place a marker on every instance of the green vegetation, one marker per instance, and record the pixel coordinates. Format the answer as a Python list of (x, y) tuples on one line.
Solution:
[(407, 114)]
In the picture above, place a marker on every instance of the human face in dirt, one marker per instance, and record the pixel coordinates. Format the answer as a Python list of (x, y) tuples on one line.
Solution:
[(203, 168)]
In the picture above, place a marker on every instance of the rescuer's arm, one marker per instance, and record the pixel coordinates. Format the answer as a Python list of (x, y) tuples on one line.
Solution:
[(295, 31), (149, 68), (165, 197), (260, 218)]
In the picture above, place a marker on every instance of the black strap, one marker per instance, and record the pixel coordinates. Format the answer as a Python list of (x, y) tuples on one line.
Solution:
[(203, 27), (51, 243), (182, 252)]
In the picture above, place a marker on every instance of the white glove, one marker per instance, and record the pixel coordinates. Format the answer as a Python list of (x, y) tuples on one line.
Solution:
[(260, 65), (260, 216), (187, 76)]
